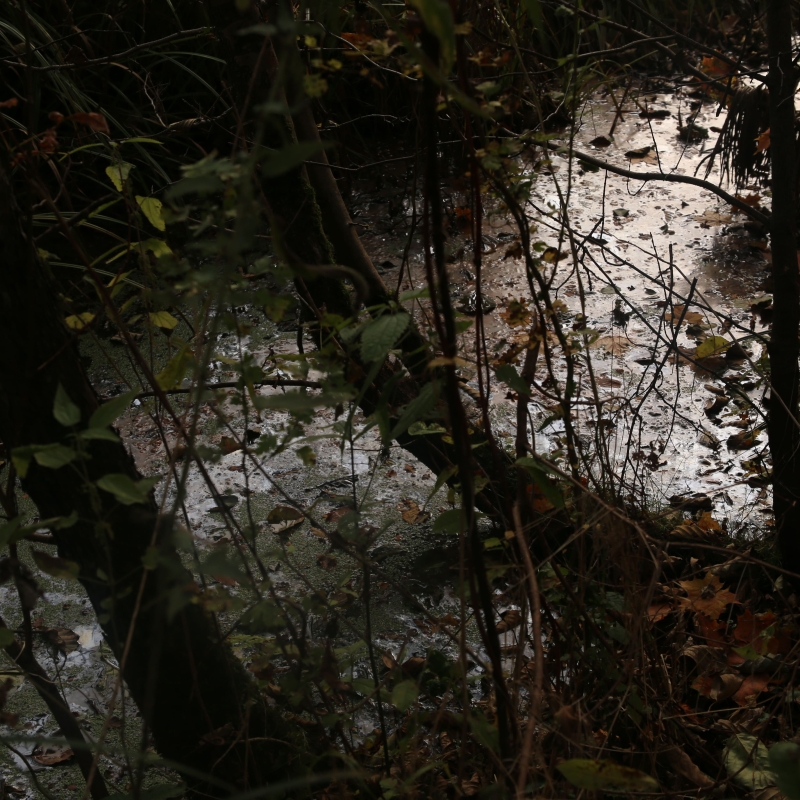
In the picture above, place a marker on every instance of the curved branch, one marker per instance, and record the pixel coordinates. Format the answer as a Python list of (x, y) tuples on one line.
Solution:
[(753, 213)]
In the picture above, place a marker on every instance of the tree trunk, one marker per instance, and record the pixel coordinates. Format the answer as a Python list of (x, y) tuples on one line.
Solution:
[(192, 692), (784, 436)]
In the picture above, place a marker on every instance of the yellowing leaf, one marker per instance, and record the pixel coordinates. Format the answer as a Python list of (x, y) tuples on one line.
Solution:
[(151, 208), (163, 319), (158, 247), (173, 373), (712, 346), (78, 322), (118, 173)]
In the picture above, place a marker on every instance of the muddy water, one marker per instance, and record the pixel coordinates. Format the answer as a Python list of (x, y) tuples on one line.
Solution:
[(640, 248)]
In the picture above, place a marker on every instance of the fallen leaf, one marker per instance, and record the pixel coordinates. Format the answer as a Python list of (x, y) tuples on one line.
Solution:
[(706, 595), (337, 513), (48, 755), (284, 518), (63, 638), (516, 313), (229, 444), (326, 561), (751, 687), (686, 768), (710, 630), (509, 621), (657, 612), (708, 523), (411, 512), (763, 141), (711, 217)]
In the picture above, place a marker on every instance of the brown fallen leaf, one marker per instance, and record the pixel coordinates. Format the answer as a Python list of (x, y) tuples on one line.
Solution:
[(686, 768), (229, 444), (283, 518), (657, 612), (706, 595), (326, 561), (516, 313), (48, 755), (509, 620), (751, 687), (63, 638), (411, 512), (337, 513)]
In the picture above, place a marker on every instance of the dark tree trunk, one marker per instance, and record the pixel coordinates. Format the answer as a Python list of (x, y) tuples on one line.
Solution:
[(784, 436), (191, 691)]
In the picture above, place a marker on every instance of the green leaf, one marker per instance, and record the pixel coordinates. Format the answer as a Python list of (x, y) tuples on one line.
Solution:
[(163, 319), (450, 521), (6, 637), (125, 489), (415, 410), (484, 732), (173, 373), (404, 695), (784, 758), (290, 157), (100, 433), (64, 410), (54, 456), (57, 567), (421, 429), (118, 173), (307, 455), (606, 775), (747, 761), (534, 9), (151, 208), (381, 335), (712, 346), (110, 411), (438, 19), (539, 474), (509, 375), (158, 247)]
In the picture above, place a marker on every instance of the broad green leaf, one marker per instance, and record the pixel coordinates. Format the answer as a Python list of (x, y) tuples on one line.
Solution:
[(99, 433), (118, 173), (784, 759), (449, 521), (57, 567), (415, 410), (176, 367), (381, 335), (606, 775), (279, 162), (534, 9), (78, 322), (64, 410), (438, 19), (54, 456), (6, 637), (125, 489), (151, 208), (110, 411), (509, 375), (163, 319), (747, 761), (404, 695), (540, 478), (712, 346)]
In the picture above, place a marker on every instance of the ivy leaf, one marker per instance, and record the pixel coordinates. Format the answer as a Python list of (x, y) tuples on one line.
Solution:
[(125, 489), (64, 410), (747, 762), (151, 208), (381, 335)]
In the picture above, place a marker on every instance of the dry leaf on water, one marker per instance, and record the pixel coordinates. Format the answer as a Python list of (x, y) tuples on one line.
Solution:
[(411, 512), (48, 755), (706, 595), (284, 518)]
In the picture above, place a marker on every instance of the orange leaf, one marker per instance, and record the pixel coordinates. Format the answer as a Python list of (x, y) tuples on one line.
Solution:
[(706, 595), (657, 612), (10, 103), (703, 685), (751, 687), (749, 626), (710, 630), (97, 122), (763, 141), (708, 523)]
